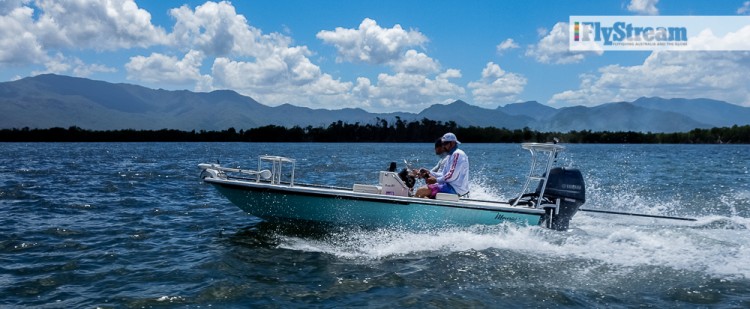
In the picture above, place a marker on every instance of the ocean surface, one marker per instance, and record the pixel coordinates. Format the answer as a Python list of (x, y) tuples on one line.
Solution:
[(131, 225)]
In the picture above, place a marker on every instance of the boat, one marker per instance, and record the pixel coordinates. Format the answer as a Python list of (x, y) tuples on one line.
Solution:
[(550, 197)]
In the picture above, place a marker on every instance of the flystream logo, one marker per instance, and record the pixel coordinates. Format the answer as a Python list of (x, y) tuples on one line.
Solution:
[(622, 33)]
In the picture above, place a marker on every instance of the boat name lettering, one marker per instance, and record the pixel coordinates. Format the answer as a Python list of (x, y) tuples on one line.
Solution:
[(501, 217)]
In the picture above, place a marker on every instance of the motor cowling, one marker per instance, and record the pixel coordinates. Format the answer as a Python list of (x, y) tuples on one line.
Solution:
[(566, 185)]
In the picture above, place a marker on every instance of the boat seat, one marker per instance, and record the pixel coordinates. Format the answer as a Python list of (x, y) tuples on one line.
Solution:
[(392, 184), (446, 197)]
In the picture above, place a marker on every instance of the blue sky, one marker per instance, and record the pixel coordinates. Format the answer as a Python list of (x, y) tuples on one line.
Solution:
[(382, 56)]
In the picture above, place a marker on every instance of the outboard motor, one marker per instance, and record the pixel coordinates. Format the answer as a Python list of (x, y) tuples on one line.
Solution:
[(565, 185)]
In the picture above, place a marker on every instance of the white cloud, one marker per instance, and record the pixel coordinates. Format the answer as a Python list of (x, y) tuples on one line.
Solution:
[(18, 42), (745, 8), (276, 72), (706, 40), (323, 92), (554, 47), (28, 34), (417, 80), (59, 64), (84, 70), (259, 75), (643, 7), (270, 69), (416, 63), (159, 68), (682, 74), (403, 91), (100, 25), (505, 45), (7, 6), (371, 43), (288, 66), (287, 77), (217, 30), (497, 85)]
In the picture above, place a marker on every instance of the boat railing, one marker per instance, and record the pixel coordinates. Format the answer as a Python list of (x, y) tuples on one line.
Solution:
[(543, 156), (276, 166)]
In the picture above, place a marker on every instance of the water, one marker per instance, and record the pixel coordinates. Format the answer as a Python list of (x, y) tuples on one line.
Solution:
[(130, 225)]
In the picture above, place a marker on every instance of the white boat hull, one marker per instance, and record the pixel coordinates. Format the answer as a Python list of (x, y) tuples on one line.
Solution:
[(344, 207)]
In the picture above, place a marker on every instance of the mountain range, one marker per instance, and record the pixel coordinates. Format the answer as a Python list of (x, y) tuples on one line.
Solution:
[(49, 100)]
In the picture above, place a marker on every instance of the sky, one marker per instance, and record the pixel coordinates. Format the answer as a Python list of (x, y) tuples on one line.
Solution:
[(381, 56)]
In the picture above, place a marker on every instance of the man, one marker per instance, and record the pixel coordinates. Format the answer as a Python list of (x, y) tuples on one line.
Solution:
[(440, 152), (454, 176)]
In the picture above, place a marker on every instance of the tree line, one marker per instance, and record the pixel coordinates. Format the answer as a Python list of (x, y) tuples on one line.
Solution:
[(382, 131)]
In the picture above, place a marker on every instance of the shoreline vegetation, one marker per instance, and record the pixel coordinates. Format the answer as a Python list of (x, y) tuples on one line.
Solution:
[(382, 131)]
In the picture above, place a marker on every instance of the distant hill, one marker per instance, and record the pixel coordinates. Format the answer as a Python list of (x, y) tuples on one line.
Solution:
[(716, 113), (49, 100), (53, 100), (621, 116), (532, 109), (469, 115)]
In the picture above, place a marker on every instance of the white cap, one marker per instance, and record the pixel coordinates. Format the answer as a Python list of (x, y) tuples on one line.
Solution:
[(450, 137)]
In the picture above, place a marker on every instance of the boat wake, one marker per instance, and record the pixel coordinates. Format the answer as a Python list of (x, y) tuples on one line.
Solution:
[(722, 223), (700, 247), (713, 245)]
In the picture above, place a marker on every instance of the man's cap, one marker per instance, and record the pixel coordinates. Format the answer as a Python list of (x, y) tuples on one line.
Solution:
[(449, 137)]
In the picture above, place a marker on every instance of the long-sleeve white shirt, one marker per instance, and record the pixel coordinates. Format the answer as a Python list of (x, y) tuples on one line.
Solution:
[(455, 171)]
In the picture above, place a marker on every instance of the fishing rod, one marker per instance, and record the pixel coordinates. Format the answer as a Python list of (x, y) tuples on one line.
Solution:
[(636, 215)]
